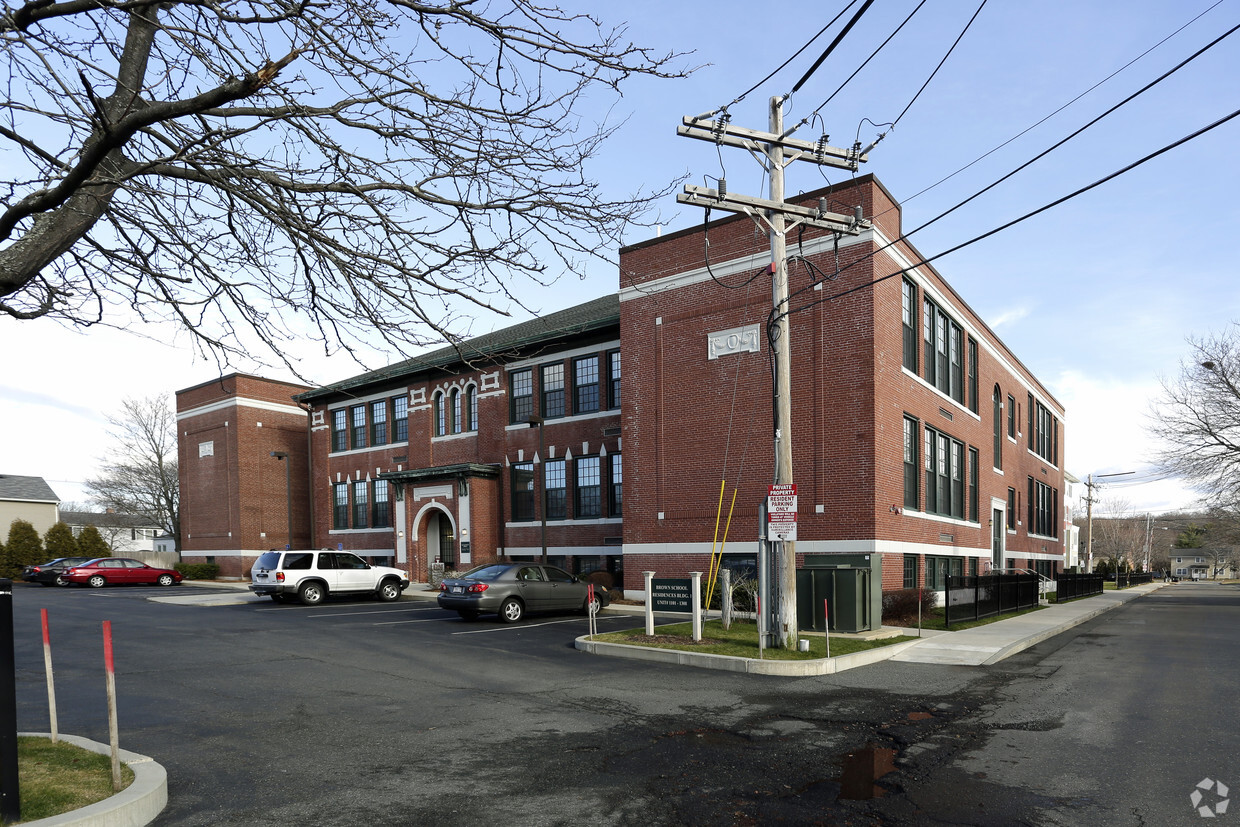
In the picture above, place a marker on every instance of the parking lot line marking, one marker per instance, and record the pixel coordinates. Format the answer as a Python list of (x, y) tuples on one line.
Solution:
[(401, 622), (374, 612), (516, 628)]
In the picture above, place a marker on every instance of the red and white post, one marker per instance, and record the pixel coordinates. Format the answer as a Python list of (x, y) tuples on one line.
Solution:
[(113, 728), (51, 681)]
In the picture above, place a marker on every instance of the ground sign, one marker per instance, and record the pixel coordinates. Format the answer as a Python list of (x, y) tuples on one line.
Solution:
[(672, 594)]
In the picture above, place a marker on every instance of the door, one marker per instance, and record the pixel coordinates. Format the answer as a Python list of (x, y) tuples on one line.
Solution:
[(352, 573), (535, 590), (566, 593), (997, 523)]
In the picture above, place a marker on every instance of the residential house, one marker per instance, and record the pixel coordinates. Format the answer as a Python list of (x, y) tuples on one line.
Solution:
[(27, 498)]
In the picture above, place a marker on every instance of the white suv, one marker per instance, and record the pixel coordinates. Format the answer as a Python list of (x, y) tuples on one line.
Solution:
[(313, 575)]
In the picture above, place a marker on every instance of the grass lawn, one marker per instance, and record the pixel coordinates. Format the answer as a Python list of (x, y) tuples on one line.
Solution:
[(741, 641), (59, 778), (935, 620)]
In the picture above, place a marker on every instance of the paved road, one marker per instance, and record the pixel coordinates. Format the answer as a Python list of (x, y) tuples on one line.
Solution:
[(392, 714)]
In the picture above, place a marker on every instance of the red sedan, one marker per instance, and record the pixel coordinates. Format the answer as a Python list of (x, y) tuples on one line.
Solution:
[(120, 571)]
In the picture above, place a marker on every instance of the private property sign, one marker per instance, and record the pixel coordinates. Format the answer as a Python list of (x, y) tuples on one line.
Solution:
[(781, 512)]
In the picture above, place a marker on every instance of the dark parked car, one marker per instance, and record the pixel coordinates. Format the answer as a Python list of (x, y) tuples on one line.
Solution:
[(52, 572), (512, 589), (119, 571)]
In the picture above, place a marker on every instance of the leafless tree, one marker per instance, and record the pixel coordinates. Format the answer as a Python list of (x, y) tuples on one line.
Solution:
[(362, 172), (1119, 534), (139, 475), (1197, 419)]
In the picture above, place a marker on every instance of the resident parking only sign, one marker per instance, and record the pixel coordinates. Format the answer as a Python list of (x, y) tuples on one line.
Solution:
[(781, 512)]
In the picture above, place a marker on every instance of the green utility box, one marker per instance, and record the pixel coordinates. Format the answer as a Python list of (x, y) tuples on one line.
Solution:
[(849, 585)]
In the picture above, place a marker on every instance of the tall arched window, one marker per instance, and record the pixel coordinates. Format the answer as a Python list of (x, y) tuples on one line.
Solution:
[(471, 408), (998, 402), (456, 411), (441, 423)]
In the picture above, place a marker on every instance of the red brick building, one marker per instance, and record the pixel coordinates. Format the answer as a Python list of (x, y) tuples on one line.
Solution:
[(234, 502), (917, 435)]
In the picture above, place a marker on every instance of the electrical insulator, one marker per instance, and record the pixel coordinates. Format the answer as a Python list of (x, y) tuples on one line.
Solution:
[(857, 215), (723, 187), (822, 207)]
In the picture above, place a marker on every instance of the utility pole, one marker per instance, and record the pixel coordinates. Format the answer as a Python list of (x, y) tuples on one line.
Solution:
[(776, 150), (1089, 516)]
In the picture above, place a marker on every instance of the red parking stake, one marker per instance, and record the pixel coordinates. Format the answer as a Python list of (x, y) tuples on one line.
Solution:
[(51, 683), (113, 733)]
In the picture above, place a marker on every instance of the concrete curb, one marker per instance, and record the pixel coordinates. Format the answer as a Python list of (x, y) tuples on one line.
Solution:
[(135, 806), (751, 666)]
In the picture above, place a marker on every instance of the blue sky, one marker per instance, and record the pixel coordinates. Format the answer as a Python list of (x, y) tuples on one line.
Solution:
[(1096, 296)]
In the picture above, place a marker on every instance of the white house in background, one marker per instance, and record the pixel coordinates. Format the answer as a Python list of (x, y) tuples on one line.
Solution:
[(1071, 531), (27, 498), (124, 533)]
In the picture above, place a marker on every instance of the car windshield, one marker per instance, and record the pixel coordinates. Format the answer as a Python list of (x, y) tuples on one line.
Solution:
[(487, 573)]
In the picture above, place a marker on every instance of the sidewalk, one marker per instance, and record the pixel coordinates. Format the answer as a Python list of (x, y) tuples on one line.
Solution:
[(985, 645)]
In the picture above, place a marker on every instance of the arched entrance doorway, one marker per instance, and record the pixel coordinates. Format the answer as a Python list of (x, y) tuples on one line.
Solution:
[(437, 540)]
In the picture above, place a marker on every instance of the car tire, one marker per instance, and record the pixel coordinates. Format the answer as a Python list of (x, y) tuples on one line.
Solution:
[(166, 580), (388, 591), (97, 581), (61, 581), (589, 605), (311, 594), (511, 610), (468, 614)]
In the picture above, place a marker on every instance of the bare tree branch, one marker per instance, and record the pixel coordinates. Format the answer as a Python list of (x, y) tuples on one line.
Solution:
[(371, 169)]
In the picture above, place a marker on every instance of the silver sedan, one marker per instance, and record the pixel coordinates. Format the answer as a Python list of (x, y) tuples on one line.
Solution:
[(512, 589)]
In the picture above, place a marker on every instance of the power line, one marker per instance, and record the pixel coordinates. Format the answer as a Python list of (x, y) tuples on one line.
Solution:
[(1055, 112), (1046, 152), (1015, 221), (955, 43), (839, 37)]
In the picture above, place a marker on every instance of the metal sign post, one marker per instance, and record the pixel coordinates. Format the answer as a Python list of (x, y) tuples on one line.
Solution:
[(10, 799)]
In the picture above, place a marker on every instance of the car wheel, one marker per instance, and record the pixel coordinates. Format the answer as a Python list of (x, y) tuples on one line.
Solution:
[(312, 594), (389, 590), (166, 580), (61, 581), (96, 581), (467, 614), (511, 611), (591, 606)]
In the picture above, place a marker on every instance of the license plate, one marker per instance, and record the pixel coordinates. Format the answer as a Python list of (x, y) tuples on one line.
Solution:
[(457, 590)]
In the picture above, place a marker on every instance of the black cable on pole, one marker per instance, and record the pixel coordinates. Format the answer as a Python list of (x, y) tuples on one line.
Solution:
[(1053, 147), (795, 55), (1014, 221), (941, 62), (847, 28)]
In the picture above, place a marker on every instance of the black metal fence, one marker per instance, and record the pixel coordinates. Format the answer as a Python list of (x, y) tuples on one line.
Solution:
[(1129, 578), (1070, 586), (973, 597)]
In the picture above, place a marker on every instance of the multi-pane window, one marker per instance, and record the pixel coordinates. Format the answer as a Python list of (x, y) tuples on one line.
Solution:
[(910, 463), (589, 499), (1011, 416), (378, 423), (944, 467), (973, 486), (555, 489), (340, 505), (944, 342), (523, 491), (400, 418), (340, 430), (382, 511), (1043, 432), (613, 376), (358, 426), (1011, 509), (361, 507), (909, 318), (973, 375), (441, 415), (1043, 509), (585, 385), (471, 408), (553, 391), (615, 504), (910, 571), (998, 422), (457, 414), (521, 383)]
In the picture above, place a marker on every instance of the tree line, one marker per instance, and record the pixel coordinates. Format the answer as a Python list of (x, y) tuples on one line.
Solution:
[(25, 548)]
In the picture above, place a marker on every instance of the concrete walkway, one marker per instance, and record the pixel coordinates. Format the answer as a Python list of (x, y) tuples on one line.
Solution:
[(984, 645)]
